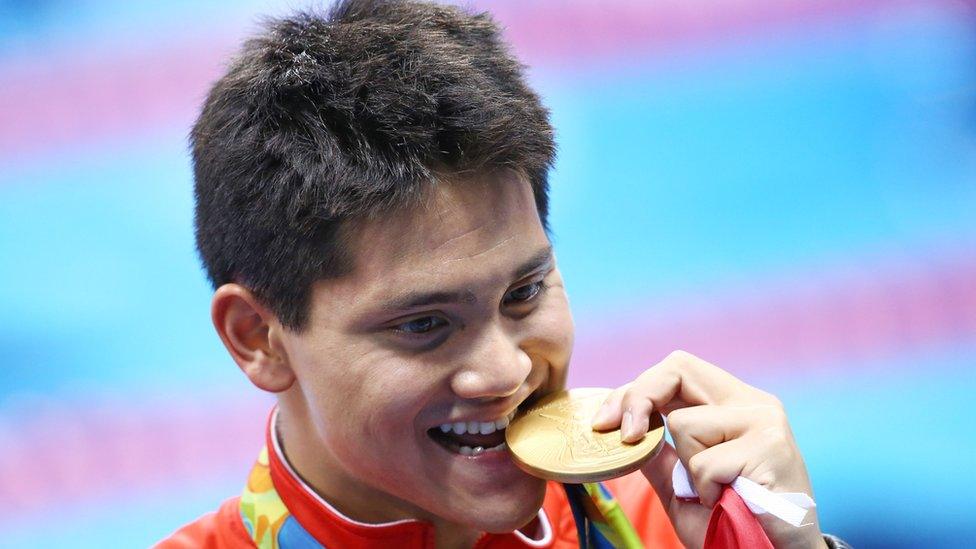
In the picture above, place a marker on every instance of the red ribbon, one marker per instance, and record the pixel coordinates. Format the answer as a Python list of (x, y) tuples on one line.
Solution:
[(733, 526)]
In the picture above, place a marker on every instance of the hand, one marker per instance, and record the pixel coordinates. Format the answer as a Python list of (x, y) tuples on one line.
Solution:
[(722, 428)]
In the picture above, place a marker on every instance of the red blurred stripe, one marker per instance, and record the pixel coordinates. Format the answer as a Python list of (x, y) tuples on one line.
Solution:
[(566, 34), (49, 102), (828, 325), (73, 98), (64, 454)]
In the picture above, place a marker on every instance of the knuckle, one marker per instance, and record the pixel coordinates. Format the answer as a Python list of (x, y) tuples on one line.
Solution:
[(635, 399), (776, 416), (770, 399), (679, 358), (775, 437), (698, 466), (644, 404), (678, 420), (781, 420)]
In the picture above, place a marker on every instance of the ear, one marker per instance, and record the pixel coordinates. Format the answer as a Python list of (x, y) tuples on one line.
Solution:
[(251, 334)]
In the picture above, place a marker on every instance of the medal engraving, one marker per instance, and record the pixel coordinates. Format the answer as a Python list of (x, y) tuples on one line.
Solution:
[(554, 440)]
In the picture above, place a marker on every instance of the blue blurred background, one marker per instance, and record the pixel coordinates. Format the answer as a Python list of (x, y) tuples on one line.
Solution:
[(784, 187)]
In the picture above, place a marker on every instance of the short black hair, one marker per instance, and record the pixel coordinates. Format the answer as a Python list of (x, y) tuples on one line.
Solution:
[(325, 118)]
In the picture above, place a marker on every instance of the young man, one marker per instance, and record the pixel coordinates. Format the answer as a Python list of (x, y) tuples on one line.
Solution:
[(371, 191)]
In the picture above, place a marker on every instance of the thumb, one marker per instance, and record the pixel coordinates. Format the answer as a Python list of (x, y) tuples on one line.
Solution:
[(658, 471)]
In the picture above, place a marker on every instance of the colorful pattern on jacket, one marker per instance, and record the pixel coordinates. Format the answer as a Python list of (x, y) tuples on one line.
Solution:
[(265, 516)]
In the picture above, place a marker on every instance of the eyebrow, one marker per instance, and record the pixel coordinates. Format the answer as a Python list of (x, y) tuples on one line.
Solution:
[(542, 258), (413, 300)]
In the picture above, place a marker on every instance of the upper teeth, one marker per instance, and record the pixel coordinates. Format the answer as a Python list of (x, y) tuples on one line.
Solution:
[(477, 427)]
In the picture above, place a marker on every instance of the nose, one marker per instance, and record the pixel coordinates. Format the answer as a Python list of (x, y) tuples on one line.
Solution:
[(495, 366)]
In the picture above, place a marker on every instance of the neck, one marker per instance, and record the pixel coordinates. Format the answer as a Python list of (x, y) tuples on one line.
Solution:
[(316, 466)]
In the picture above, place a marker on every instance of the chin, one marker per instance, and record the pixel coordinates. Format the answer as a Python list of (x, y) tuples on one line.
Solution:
[(508, 512)]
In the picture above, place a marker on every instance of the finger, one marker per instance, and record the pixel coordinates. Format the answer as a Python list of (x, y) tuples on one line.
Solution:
[(682, 379), (699, 427), (610, 414), (689, 518), (658, 472), (717, 466), (635, 420)]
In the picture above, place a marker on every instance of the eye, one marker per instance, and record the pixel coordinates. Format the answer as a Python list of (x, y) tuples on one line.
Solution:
[(523, 294), (422, 325)]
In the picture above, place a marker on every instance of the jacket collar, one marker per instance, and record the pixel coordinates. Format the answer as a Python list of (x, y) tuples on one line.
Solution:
[(331, 528)]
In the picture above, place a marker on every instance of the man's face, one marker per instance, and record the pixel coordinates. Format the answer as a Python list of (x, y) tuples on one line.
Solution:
[(454, 315)]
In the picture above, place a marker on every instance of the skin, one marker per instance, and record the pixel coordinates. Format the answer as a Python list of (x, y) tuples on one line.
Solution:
[(361, 385)]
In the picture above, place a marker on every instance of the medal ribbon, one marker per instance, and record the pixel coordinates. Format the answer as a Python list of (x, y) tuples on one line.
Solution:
[(600, 522)]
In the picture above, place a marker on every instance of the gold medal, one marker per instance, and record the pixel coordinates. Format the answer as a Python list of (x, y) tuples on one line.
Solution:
[(554, 440)]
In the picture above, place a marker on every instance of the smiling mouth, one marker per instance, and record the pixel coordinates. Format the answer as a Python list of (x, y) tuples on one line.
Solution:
[(472, 438)]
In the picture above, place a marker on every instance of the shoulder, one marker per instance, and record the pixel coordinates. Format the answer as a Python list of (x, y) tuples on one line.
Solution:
[(638, 501), (222, 529)]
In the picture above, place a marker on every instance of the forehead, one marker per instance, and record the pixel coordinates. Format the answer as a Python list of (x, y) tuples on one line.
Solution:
[(458, 227)]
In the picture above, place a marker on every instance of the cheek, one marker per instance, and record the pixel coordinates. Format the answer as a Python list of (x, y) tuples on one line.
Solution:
[(560, 319), (378, 397), (379, 438), (352, 392), (391, 402), (553, 330)]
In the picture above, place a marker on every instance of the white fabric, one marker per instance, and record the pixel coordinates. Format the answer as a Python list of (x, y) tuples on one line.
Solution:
[(788, 506)]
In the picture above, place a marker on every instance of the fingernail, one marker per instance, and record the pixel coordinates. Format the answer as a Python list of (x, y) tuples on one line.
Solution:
[(626, 425)]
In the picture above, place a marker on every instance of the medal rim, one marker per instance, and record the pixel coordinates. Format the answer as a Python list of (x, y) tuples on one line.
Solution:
[(599, 474)]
